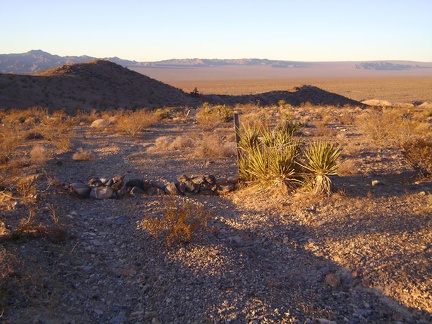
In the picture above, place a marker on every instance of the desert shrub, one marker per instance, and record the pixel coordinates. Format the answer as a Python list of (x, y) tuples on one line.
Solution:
[(212, 145), (83, 155), (134, 122), (387, 123), (39, 154), (209, 116), (179, 222), (268, 157), (181, 142), (320, 162), (9, 142), (418, 153), (169, 143)]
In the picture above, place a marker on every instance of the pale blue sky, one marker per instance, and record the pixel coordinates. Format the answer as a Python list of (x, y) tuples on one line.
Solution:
[(152, 30)]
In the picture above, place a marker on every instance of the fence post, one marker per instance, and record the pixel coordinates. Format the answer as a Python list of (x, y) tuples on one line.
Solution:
[(237, 133)]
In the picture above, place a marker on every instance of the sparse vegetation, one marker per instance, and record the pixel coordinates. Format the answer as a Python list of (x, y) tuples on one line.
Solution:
[(133, 123), (181, 220), (39, 155), (250, 233), (83, 155), (320, 162), (268, 156), (209, 116), (418, 153)]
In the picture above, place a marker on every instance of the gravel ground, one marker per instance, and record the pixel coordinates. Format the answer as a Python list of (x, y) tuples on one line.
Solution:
[(360, 256)]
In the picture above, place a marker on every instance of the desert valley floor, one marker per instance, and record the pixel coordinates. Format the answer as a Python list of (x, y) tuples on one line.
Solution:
[(360, 255)]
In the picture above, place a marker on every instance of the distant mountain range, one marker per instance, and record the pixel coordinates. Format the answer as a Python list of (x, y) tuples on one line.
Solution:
[(38, 60)]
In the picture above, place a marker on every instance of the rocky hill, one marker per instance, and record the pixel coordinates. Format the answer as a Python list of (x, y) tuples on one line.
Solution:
[(97, 84), (101, 84)]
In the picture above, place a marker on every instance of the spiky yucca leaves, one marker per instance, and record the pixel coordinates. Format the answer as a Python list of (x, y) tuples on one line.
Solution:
[(267, 157), (288, 126), (249, 136), (320, 163)]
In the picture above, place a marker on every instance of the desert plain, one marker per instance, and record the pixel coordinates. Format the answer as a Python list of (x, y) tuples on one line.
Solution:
[(266, 254)]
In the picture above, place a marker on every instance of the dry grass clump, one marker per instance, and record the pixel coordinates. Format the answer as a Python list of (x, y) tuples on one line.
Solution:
[(134, 122), (181, 220), (418, 153), (390, 123), (214, 146), (83, 155), (209, 117), (204, 145), (169, 143), (39, 155)]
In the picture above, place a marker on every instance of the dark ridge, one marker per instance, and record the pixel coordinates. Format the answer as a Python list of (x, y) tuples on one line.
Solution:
[(101, 85), (97, 84), (300, 95)]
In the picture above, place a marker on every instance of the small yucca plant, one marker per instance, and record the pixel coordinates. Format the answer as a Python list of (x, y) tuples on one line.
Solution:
[(267, 157), (320, 162)]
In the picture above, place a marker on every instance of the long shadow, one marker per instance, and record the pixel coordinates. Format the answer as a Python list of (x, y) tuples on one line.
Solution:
[(244, 280), (382, 185)]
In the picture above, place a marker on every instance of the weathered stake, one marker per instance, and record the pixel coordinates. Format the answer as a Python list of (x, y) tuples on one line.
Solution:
[(237, 134)]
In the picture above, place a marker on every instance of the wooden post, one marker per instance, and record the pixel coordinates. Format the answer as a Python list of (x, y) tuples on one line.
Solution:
[(237, 133)]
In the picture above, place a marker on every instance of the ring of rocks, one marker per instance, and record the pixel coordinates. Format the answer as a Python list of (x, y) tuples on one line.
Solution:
[(119, 187)]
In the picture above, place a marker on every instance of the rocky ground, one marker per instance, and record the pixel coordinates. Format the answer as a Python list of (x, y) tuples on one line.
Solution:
[(359, 256)]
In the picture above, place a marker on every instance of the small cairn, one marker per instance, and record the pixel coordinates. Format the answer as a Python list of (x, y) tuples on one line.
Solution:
[(118, 187)]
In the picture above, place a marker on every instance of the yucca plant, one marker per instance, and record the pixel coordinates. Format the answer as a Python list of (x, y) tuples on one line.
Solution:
[(249, 137), (267, 157), (320, 162), (288, 126)]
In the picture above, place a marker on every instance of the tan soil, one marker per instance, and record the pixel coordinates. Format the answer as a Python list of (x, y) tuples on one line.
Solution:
[(360, 256)]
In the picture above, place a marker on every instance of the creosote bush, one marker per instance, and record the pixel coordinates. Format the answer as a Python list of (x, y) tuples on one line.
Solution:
[(418, 153), (179, 222)]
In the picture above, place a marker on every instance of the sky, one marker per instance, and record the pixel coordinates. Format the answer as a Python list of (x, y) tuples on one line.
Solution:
[(153, 30)]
